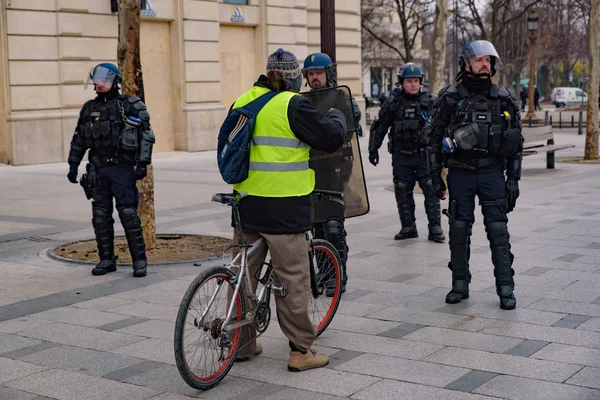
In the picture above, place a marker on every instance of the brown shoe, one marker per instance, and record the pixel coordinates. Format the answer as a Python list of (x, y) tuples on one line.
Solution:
[(301, 362), (257, 350)]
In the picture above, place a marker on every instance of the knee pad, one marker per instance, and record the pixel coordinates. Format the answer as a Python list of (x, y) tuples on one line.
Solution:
[(129, 217), (402, 187), (101, 213), (459, 231), (427, 187), (497, 232)]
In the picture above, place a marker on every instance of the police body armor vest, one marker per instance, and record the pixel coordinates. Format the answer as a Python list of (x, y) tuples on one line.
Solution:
[(481, 129), (408, 122), (102, 123)]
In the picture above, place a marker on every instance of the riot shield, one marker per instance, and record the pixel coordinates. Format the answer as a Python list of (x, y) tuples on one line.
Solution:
[(341, 171)]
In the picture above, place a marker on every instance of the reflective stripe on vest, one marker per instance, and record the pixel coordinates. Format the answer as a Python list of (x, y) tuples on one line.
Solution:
[(278, 159)]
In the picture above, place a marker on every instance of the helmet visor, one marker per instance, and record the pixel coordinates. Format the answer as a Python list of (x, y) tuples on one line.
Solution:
[(101, 76), (480, 48)]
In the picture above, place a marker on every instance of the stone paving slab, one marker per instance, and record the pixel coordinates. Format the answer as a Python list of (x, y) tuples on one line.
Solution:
[(88, 362), (65, 385), (570, 354), (77, 316), (81, 336), (405, 370), (328, 381), (592, 324), (150, 349), (377, 345), (468, 340), (514, 388), (432, 318), (14, 369), (504, 364), (392, 390), (588, 377), (575, 337)]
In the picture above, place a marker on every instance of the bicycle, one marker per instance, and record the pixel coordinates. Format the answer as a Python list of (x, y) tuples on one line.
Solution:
[(216, 306)]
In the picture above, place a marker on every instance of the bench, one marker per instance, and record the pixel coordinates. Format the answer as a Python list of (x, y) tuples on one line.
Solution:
[(541, 139)]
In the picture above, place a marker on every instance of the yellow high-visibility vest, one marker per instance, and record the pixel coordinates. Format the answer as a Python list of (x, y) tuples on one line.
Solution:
[(278, 159)]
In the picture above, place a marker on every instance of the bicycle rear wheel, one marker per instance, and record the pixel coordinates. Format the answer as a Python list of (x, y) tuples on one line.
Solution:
[(322, 308), (204, 352)]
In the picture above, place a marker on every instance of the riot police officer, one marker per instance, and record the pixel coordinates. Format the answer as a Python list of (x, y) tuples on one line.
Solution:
[(116, 130), (318, 72), (476, 133), (407, 113)]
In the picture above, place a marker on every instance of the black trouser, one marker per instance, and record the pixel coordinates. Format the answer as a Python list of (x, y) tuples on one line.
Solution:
[(117, 181), (408, 169), (489, 187), (334, 232)]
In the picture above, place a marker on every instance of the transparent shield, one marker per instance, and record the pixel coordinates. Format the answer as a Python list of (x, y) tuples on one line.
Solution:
[(341, 171)]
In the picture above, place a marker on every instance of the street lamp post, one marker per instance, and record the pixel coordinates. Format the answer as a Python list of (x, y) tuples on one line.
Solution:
[(532, 26)]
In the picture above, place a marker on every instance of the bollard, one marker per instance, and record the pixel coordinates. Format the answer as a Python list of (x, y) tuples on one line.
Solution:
[(580, 127), (530, 122), (546, 118), (551, 120), (572, 121), (559, 120)]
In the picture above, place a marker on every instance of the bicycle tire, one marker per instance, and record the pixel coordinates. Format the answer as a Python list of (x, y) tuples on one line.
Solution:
[(190, 375), (329, 263)]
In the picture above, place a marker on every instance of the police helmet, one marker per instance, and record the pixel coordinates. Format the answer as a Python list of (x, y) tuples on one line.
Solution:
[(317, 61), (410, 70), (105, 74), (479, 48)]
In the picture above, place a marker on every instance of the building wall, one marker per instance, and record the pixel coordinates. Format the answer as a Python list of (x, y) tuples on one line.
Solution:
[(196, 60)]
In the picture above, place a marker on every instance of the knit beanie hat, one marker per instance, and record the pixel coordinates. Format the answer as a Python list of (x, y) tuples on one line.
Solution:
[(286, 63)]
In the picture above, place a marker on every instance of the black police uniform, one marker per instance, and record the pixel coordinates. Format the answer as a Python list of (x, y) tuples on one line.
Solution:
[(407, 116), (115, 147), (480, 124)]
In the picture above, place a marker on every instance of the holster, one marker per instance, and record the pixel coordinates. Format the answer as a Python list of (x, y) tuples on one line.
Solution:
[(90, 182)]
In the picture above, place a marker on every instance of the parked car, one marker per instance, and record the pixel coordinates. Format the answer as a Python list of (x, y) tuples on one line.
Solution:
[(568, 96)]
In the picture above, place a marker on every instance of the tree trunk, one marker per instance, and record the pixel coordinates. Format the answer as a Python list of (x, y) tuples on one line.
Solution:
[(128, 54), (438, 48), (591, 135)]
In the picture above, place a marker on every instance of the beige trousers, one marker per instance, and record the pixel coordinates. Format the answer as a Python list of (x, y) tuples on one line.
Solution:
[(289, 255)]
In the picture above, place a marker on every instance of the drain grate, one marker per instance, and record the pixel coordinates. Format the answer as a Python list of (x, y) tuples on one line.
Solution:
[(39, 239)]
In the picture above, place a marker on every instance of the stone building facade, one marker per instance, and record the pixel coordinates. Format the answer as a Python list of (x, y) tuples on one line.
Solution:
[(197, 57)]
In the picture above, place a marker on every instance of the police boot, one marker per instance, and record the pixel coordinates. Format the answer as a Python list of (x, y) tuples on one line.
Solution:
[(460, 232), (502, 258), (433, 211), (460, 290), (105, 235), (334, 233), (135, 239), (406, 210)]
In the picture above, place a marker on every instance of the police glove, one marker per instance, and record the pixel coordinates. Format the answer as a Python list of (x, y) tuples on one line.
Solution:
[(439, 187), (72, 175), (140, 171), (374, 157), (512, 193)]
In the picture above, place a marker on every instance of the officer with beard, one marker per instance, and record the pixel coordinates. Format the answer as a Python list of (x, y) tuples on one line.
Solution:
[(407, 113), (318, 74), (476, 133), (116, 130)]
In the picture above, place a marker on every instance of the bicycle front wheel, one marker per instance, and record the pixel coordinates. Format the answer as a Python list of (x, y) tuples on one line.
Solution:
[(204, 351), (322, 308)]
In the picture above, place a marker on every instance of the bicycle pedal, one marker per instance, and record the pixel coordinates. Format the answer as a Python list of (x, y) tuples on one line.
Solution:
[(280, 289)]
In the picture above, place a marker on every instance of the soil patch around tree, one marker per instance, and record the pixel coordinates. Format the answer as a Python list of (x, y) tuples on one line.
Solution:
[(169, 249), (576, 160)]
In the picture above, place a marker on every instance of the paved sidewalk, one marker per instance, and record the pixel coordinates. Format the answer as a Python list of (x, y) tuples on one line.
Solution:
[(65, 334)]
